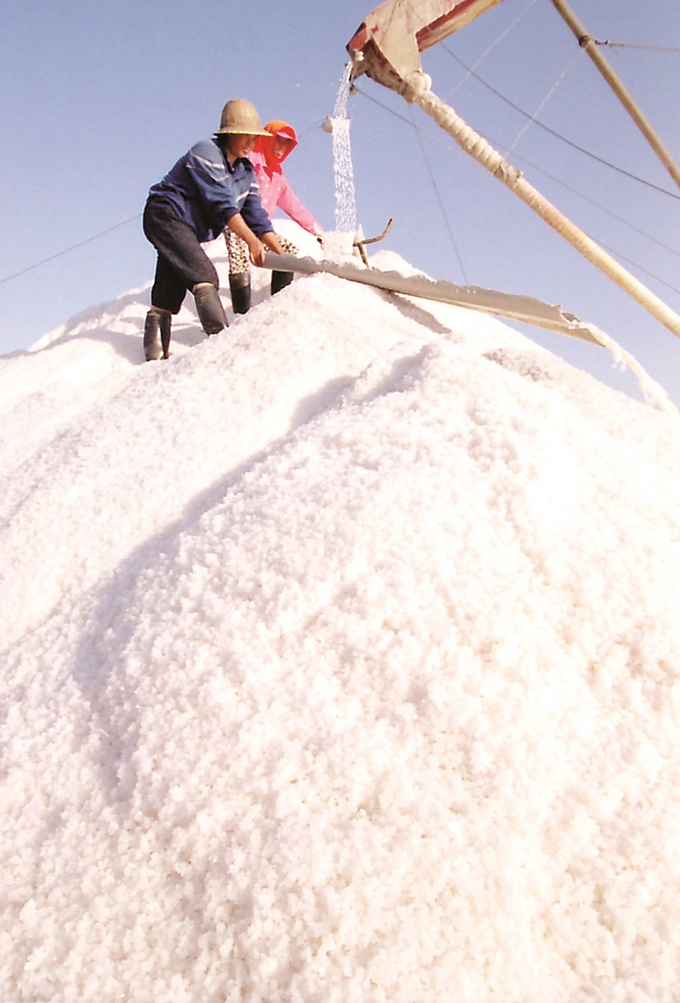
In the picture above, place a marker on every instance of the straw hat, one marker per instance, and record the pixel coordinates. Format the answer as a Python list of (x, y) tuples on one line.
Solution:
[(240, 116)]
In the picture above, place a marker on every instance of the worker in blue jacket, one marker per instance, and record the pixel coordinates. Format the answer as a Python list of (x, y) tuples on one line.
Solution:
[(210, 188)]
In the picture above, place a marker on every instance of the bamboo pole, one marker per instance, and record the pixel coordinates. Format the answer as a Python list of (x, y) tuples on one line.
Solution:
[(588, 43), (417, 90)]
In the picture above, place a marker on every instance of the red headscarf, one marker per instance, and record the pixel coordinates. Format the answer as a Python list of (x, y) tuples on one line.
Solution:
[(265, 144)]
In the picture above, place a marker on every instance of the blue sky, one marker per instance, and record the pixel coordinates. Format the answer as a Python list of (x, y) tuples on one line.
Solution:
[(98, 101)]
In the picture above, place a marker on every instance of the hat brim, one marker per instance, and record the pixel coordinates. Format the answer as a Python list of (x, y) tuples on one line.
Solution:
[(235, 131)]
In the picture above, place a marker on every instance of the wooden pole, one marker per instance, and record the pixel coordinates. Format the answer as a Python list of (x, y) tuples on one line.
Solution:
[(416, 89), (588, 43)]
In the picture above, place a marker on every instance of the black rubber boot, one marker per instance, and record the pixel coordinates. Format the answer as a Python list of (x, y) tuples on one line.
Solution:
[(209, 308), (280, 280), (166, 324), (239, 284), (157, 334)]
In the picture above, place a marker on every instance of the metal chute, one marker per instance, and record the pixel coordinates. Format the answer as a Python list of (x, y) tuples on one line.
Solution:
[(524, 309)]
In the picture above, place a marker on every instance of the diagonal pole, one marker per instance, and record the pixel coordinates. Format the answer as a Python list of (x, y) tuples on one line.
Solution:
[(417, 90), (387, 46), (588, 43)]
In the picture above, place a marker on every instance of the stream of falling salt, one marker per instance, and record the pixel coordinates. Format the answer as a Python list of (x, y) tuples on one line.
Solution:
[(345, 205)]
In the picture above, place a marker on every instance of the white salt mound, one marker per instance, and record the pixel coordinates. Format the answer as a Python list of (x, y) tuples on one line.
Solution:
[(341, 662)]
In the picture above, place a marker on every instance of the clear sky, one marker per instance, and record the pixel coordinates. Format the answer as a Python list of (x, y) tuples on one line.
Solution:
[(98, 101)]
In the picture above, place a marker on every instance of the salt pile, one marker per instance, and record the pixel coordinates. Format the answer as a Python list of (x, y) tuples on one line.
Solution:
[(340, 663)]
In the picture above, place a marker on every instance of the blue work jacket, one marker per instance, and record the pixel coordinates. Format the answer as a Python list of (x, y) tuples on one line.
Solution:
[(204, 190)]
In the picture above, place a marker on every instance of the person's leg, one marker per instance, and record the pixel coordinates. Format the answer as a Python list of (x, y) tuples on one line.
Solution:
[(169, 288), (282, 279), (157, 334), (183, 264), (209, 308), (239, 272), (183, 258), (288, 245), (167, 293)]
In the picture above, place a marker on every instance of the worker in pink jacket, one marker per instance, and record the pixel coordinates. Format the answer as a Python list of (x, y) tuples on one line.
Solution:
[(275, 192)]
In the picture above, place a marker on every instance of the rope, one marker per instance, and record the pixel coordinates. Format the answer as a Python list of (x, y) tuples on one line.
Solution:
[(454, 149), (545, 99), (575, 146), (71, 248), (633, 45), (602, 208), (439, 198), (639, 267), (492, 46)]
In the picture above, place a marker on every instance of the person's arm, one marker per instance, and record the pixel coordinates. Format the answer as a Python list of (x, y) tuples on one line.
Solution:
[(272, 242), (293, 207), (256, 220), (257, 247)]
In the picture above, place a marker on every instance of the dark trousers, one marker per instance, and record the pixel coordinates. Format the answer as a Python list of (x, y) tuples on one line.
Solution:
[(182, 262)]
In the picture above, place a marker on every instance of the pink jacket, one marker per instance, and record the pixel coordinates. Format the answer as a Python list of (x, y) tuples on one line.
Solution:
[(275, 191)]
